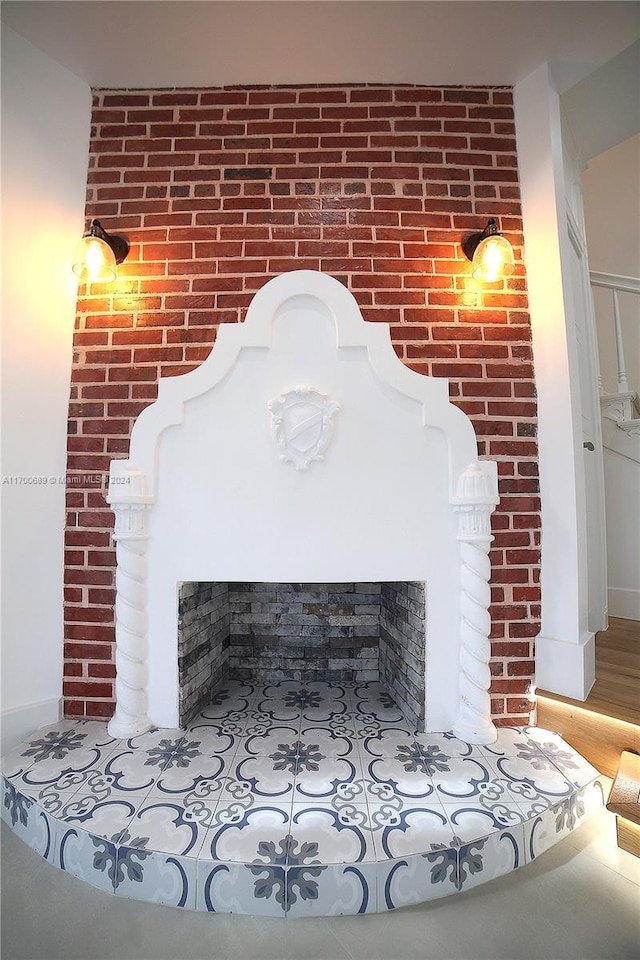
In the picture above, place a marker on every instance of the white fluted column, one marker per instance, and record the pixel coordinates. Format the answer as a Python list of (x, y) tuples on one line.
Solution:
[(130, 503), (475, 500)]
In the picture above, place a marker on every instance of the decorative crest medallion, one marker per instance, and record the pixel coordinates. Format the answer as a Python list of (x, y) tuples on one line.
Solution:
[(301, 421)]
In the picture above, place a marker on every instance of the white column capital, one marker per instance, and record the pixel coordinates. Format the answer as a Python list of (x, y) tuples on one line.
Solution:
[(129, 499)]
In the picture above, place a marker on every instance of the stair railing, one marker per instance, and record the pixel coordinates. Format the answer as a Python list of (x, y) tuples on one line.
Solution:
[(617, 285)]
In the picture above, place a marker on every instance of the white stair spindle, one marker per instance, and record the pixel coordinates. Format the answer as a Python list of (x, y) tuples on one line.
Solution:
[(623, 386)]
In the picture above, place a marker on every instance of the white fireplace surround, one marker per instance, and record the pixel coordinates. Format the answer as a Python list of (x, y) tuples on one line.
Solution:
[(303, 450)]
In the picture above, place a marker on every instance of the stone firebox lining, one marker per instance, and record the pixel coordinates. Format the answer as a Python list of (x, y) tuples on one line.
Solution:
[(339, 632)]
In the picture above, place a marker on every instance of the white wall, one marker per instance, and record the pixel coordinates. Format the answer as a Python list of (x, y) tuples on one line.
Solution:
[(604, 108), (45, 134), (611, 186), (564, 648)]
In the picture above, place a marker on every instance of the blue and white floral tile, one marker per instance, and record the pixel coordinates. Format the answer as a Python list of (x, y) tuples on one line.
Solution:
[(156, 877), (341, 834), (324, 710), (372, 700), (481, 815), (468, 779), (575, 768), (242, 834), (67, 748), (353, 725), (418, 878), (320, 778), (28, 821), (534, 778), (232, 698), (228, 719), (348, 795), (55, 796), (96, 733), (268, 741), (257, 723), (266, 779), (223, 887), (388, 742), (486, 858), (57, 742), (402, 829), (232, 726), (203, 775), (315, 700), (370, 724), (208, 740), (15, 762), (340, 811), (276, 711), (171, 826), (406, 776), (126, 771), (331, 891), (161, 741), (102, 818), (369, 690), (68, 784), (543, 750), (442, 747), (474, 821), (88, 857), (521, 741), (319, 702), (548, 827), (200, 803), (319, 736), (491, 842), (281, 690), (546, 740), (289, 873)]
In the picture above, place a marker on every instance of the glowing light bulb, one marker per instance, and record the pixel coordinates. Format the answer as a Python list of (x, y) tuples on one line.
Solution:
[(98, 253), (493, 259), (94, 261)]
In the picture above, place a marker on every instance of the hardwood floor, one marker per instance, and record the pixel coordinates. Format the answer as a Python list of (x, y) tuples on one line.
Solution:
[(608, 721), (616, 692)]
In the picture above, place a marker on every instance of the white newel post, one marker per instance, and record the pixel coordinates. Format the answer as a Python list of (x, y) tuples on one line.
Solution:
[(130, 502), (475, 500)]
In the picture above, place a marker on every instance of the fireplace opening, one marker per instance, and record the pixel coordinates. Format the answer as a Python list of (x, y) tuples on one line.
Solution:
[(337, 632)]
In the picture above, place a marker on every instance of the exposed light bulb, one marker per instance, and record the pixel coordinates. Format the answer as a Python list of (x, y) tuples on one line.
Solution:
[(97, 255), (98, 260), (493, 259)]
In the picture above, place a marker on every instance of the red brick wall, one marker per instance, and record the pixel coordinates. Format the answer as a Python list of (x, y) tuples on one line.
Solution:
[(218, 190)]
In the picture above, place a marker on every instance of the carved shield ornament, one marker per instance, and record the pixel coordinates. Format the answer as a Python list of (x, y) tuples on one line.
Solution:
[(301, 422)]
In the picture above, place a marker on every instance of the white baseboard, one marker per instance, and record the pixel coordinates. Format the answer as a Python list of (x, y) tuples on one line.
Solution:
[(566, 668), (624, 603), (17, 724)]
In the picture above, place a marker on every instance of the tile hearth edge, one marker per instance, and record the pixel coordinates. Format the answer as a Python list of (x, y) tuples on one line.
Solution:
[(290, 800)]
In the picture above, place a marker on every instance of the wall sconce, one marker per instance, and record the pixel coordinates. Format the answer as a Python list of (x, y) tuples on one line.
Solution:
[(98, 253), (490, 253)]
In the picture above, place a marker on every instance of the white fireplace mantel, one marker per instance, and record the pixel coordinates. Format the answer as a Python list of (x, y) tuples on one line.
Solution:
[(303, 450)]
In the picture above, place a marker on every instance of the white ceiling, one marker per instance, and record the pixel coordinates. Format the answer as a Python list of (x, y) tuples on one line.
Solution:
[(146, 43)]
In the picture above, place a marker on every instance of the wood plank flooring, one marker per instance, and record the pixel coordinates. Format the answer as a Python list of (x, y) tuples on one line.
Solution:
[(616, 692), (608, 721)]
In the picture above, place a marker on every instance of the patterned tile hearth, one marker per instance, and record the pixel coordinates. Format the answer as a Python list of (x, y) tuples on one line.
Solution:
[(290, 800)]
